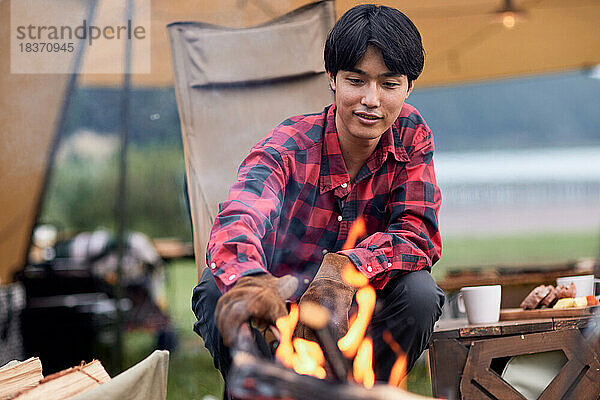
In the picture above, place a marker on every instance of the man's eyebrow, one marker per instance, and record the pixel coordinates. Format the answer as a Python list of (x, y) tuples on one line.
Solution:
[(385, 74), (357, 71)]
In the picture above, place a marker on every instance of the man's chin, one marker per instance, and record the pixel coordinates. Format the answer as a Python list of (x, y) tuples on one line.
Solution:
[(368, 136), (370, 133)]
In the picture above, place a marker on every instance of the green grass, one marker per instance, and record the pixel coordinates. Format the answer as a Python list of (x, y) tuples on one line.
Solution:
[(191, 372)]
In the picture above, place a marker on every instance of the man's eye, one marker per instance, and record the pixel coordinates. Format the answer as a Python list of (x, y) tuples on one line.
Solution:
[(391, 84), (355, 81)]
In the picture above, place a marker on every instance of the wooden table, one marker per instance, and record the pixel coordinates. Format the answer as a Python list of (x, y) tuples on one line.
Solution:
[(516, 282), (464, 358)]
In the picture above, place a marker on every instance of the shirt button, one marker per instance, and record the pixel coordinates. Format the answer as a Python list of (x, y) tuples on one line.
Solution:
[(340, 218), (389, 265), (213, 265), (231, 277), (306, 281), (325, 251), (344, 185), (369, 268)]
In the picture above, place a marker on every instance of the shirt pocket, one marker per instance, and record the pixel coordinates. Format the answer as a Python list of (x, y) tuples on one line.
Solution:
[(376, 214)]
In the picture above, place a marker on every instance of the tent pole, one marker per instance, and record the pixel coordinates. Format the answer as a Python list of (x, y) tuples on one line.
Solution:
[(62, 122), (121, 206)]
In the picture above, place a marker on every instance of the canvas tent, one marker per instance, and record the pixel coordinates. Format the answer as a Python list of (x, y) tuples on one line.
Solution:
[(462, 38), (30, 113)]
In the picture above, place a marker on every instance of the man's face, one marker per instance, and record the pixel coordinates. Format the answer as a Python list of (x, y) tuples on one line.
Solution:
[(368, 98)]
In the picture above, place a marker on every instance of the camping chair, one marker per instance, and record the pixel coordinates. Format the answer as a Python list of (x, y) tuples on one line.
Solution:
[(146, 380), (233, 86)]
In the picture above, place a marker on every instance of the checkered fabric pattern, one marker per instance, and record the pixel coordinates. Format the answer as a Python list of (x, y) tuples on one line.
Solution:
[(294, 201)]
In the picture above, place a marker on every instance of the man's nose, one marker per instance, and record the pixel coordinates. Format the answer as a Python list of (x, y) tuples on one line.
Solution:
[(370, 97)]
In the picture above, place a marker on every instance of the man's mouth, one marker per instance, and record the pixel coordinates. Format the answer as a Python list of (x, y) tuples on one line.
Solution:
[(367, 116)]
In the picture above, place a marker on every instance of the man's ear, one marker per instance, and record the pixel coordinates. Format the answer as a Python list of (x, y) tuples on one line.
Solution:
[(331, 81), (410, 88)]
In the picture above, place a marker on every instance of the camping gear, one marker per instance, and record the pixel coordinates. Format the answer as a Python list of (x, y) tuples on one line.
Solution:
[(71, 309), (467, 360), (146, 380), (530, 374), (233, 86)]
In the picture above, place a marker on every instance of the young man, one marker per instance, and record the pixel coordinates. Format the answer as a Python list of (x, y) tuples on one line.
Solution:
[(300, 189)]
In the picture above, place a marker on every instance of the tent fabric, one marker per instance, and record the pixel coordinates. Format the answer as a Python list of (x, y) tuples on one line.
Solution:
[(228, 102), (30, 106), (464, 39)]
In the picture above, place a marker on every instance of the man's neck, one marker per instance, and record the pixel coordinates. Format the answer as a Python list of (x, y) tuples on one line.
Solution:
[(355, 152)]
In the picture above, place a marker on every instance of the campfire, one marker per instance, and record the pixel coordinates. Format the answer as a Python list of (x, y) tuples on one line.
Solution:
[(320, 370)]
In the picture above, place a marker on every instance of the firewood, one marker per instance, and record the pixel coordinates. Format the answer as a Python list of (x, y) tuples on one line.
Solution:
[(251, 377)]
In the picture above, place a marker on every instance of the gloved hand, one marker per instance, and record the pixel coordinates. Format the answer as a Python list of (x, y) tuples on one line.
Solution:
[(329, 290), (261, 297)]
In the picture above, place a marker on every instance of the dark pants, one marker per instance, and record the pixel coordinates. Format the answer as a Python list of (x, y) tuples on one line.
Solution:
[(407, 307)]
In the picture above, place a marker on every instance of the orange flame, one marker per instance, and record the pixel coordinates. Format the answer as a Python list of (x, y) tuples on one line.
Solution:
[(353, 277), (306, 357), (362, 367), (286, 326), (357, 229), (303, 356), (365, 297), (350, 274), (398, 372), (309, 358)]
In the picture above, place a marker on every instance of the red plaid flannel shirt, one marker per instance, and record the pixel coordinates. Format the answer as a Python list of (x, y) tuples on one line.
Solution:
[(294, 201)]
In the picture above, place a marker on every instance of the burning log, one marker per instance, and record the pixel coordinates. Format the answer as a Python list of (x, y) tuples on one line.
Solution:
[(316, 317), (252, 378), (365, 297)]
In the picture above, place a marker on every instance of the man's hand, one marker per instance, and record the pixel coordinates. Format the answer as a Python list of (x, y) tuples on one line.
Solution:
[(329, 290), (261, 297)]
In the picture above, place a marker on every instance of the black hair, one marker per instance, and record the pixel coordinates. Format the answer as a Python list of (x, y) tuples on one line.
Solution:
[(384, 27)]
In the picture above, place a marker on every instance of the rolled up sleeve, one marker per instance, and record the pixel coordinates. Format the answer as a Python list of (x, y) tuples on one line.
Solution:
[(251, 212)]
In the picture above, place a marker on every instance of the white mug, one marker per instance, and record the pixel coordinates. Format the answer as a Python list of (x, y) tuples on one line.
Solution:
[(482, 303), (584, 284)]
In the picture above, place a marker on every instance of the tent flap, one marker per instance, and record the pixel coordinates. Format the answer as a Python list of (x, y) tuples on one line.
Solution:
[(30, 108)]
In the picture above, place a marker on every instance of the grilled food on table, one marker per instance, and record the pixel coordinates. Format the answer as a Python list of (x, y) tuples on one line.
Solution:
[(569, 302), (546, 296)]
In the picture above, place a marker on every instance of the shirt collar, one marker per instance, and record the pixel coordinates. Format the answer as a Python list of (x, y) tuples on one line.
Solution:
[(333, 168)]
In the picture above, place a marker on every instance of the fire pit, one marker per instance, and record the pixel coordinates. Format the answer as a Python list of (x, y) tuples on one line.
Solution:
[(326, 368), (254, 377)]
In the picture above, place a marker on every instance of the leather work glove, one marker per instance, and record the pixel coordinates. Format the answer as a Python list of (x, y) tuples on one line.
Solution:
[(261, 297), (329, 290)]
